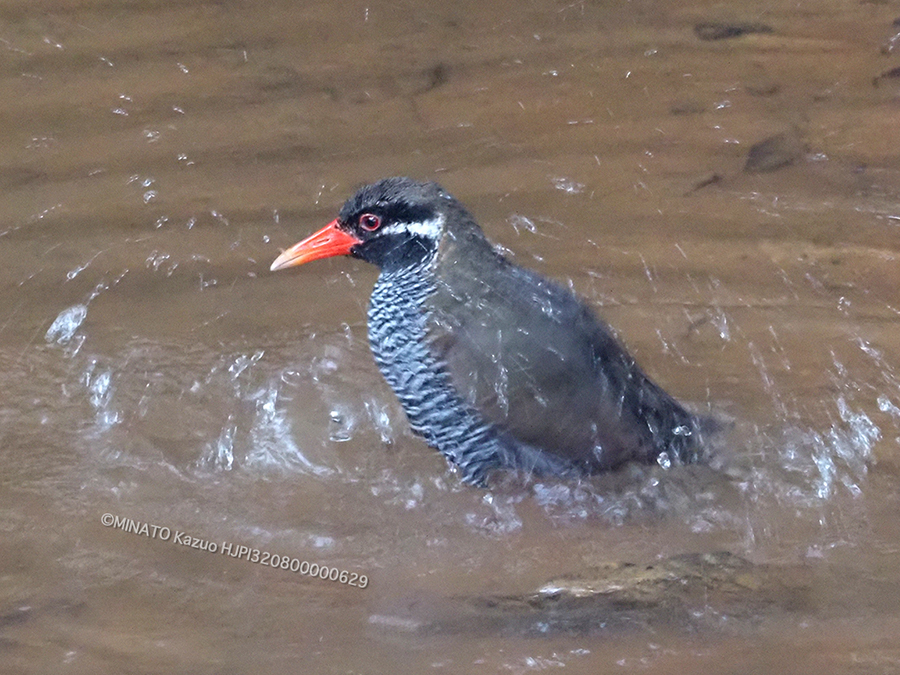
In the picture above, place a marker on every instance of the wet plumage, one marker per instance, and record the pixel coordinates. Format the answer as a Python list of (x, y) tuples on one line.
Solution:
[(494, 365)]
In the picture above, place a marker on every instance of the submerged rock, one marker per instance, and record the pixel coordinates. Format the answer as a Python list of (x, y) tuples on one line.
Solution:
[(723, 31), (689, 591), (891, 74), (774, 153)]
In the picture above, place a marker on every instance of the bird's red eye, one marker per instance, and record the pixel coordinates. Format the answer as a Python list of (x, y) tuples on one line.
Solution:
[(369, 222)]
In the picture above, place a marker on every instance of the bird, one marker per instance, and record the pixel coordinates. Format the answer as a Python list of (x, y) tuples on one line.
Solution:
[(495, 366)]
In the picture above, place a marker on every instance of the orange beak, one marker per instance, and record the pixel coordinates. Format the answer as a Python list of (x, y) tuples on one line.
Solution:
[(330, 241)]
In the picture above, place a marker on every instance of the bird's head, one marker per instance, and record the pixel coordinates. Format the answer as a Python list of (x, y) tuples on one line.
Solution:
[(393, 223)]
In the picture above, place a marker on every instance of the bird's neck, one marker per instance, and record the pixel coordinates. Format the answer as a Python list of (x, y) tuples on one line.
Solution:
[(398, 326), (397, 310)]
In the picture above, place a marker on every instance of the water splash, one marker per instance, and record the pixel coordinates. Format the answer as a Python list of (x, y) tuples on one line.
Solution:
[(98, 382), (501, 519), (341, 423), (223, 456), (66, 324), (567, 185), (519, 221)]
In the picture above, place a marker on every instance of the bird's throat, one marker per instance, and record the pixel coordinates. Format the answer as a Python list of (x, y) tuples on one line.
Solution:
[(398, 324)]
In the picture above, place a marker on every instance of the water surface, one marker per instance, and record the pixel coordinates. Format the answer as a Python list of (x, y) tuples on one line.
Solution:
[(158, 155)]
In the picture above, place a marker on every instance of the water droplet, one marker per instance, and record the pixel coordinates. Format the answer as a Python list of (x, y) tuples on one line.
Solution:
[(66, 323), (567, 185)]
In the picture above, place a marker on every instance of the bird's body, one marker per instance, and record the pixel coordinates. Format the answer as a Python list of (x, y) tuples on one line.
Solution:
[(494, 365)]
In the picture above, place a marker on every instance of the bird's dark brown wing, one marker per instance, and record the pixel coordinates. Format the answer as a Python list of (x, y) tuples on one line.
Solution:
[(533, 360)]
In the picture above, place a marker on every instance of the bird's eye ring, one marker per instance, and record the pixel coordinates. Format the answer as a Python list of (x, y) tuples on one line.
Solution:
[(369, 222)]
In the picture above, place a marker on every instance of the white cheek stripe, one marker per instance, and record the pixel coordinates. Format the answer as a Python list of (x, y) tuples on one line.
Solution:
[(429, 229)]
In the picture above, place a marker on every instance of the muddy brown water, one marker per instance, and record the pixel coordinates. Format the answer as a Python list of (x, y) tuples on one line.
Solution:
[(155, 157)]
